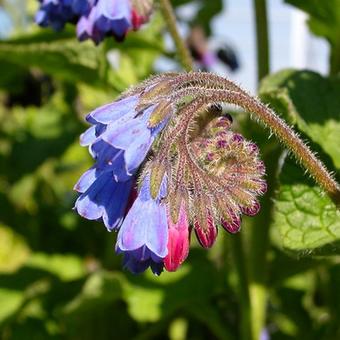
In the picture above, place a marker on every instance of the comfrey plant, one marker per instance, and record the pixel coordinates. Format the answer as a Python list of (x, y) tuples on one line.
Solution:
[(167, 162), (95, 19)]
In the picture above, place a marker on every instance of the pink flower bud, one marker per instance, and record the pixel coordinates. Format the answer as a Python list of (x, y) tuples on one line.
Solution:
[(263, 187), (178, 241), (206, 236), (253, 148), (210, 157), (232, 223), (251, 210), (221, 143), (237, 138)]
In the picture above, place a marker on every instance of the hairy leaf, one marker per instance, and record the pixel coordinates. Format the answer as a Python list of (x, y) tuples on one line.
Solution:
[(307, 219)]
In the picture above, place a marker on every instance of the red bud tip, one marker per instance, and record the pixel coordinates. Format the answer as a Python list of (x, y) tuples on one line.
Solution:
[(178, 241), (206, 237), (233, 225), (251, 210)]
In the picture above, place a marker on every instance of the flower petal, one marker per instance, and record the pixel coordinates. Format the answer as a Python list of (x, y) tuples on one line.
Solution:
[(157, 235), (136, 153), (88, 137), (132, 234), (105, 198), (111, 112), (86, 180)]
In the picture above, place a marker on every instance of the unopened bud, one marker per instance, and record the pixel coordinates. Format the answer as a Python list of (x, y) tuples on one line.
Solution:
[(205, 228), (206, 233), (231, 222), (251, 210), (178, 240)]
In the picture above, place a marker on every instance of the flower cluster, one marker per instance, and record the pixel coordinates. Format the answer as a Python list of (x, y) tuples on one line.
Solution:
[(95, 19), (160, 172)]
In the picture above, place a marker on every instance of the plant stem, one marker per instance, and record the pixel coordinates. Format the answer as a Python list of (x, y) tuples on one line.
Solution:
[(239, 261), (259, 242), (170, 19), (262, 41), (335, 59), (259, 237)]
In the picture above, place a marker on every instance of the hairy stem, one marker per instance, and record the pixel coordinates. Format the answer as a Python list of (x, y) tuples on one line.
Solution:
[(262, 41), (291, 140), (170, 19), (278, 127)]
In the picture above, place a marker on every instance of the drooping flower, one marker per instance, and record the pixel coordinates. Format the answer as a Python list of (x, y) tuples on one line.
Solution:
[(200, 175), (95, 19), (143, 236), (56, 13)]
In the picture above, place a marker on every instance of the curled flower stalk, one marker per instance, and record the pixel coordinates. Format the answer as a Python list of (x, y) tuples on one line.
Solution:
[(167, 163)]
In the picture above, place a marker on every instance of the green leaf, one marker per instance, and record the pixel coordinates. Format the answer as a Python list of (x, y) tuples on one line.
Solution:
[(13, 250), (309, 101), (324, 21), (57, 54), (11, 301), (61, 55), (324, 16), (66, 267), (99, 289), (306, 218)]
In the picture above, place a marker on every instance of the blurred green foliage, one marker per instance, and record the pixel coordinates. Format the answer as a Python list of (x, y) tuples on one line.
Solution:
[(59, 276)]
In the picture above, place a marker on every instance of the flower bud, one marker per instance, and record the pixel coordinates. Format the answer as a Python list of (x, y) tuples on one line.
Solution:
[(178, 240), (231, 222), (237, 138), (141, 12), (251, 210), (206, 233)]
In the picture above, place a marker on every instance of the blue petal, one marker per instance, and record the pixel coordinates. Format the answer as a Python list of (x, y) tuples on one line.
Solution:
[(86, 180), (157, 236), (111, 112), (136, 153), (114, 211), (145, 224), (89, 204), (106, 199), (132, 234), (110, 159), (84, 28), (114, 9), (134, 137), (119, 27), (137, 264), (88, 137), (120, 134)]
